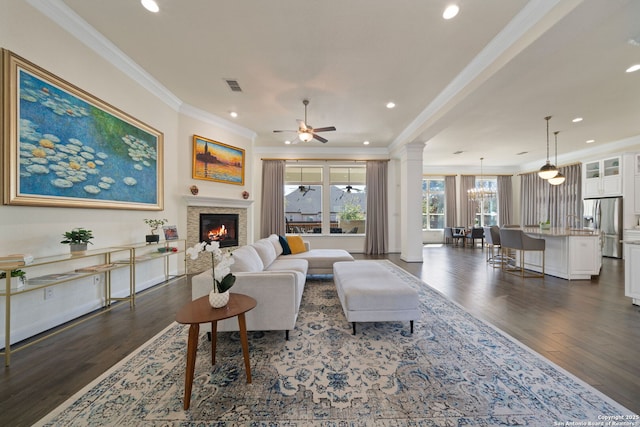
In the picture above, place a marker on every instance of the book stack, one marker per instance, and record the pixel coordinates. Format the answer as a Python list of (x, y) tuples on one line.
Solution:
[(16, 260)]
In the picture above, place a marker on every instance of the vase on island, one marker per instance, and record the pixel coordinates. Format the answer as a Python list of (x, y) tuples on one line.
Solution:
[(218, 299)]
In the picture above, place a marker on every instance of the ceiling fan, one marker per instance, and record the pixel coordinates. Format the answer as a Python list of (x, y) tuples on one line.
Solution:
[(305, 132), (304, 190)]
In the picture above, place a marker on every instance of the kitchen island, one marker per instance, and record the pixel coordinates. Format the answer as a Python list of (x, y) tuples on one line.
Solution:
[(572, 254)]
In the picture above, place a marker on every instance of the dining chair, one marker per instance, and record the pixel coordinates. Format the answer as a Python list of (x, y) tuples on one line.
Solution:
[(473, 234), (492, 240)]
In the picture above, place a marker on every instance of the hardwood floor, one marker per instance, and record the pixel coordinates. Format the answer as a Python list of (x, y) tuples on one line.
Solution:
[(589, 328)]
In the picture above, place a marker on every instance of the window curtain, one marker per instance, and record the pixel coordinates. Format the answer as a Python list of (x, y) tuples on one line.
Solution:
[(272, 219), (467, 207), (505, 200), (450, 201), (541, 201), (377, 224), (565, 207)]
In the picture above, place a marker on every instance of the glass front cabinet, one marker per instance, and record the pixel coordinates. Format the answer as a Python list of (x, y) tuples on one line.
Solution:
[(602, 178)]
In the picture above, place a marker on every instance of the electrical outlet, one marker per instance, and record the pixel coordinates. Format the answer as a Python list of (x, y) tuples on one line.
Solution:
[(48, 293), (96, 280)]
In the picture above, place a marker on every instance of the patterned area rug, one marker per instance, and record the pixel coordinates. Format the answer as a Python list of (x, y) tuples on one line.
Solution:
[(454, 370)]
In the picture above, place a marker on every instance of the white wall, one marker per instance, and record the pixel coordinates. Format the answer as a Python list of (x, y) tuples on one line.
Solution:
[(38, 230)]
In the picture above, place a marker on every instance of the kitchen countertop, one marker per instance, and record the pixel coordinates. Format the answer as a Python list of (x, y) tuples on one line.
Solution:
[(560, 231)]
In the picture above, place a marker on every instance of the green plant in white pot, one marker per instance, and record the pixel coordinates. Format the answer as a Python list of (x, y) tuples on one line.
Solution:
[(20, 275), (154, 224), (77, 239)]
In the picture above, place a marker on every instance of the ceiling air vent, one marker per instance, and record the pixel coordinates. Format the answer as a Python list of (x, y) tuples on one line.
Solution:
[(233, 85)]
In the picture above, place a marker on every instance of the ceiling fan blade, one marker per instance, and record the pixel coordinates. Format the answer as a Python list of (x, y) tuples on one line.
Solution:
[(319, 138), (285, 131), (325, 129)]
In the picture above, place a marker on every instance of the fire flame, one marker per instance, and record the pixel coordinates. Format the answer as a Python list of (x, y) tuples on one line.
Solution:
[(218, 233)]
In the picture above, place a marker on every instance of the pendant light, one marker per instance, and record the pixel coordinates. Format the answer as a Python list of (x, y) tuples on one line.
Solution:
[(559, 178), (548, 170)]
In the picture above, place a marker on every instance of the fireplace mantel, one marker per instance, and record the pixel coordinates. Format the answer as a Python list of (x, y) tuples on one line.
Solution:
[(217, 202)]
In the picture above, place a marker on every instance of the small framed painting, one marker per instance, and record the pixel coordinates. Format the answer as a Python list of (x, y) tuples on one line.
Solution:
[(215, 161), (170, 232)]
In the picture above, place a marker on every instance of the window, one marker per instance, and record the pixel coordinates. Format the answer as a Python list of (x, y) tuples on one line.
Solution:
[(340, 210), (487, 208), (433, 203)]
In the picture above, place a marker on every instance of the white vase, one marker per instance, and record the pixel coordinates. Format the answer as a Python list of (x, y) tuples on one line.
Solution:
[(218, 300)]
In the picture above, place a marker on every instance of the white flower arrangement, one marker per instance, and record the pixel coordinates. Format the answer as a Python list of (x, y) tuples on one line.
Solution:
[(220, 263)]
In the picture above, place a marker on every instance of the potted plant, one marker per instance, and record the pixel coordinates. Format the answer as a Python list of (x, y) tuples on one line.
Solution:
[(21, 278), (77, 239), (154, 224)]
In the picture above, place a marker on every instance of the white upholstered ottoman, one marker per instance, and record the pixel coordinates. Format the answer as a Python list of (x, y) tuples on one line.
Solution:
[(369, 292)]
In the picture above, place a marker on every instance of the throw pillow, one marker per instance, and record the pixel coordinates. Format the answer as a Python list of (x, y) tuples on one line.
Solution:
[(286, 250), (296, 244)]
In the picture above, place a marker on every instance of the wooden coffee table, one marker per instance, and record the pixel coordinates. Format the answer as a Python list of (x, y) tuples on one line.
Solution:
[(199, 311)]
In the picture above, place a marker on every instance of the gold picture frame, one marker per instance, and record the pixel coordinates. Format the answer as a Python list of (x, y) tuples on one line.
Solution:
[(215, 161), (63, 147)]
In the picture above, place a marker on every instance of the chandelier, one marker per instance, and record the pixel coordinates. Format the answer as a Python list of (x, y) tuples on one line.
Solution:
[(480, 192)]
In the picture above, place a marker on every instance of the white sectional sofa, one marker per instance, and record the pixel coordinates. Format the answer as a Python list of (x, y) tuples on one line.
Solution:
[(274, 280)]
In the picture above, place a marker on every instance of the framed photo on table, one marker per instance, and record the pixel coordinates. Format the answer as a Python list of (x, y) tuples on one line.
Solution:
[(170, 232), (215, 161), (64, 147)]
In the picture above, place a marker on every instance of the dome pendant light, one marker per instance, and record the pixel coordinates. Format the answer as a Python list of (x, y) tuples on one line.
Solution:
[(548, 170), (559, 178)]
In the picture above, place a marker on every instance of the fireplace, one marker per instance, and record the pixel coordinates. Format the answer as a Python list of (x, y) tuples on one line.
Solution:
[(221, 228)]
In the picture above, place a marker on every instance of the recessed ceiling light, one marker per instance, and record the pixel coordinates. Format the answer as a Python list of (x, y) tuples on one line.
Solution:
[(150, 5), (366, 143), (233, 114), (451, 11), (633, 68), (287, 142), (591, 141), (577, 120), (391, 105)]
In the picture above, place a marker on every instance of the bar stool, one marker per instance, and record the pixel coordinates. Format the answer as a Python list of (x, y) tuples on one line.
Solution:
[(518, 241)]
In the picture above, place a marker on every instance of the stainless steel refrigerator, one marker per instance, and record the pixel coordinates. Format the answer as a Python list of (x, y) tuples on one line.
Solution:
[(605, 215)]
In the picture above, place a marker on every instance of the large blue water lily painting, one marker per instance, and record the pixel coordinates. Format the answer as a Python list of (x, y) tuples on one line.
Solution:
[(68, 148)]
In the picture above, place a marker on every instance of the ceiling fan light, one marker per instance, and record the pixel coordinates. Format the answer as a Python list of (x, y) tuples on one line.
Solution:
[(557, 180), (547, 171), (305, 136)]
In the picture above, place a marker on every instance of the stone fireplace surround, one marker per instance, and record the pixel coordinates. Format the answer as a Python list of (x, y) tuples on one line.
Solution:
[(215, 205)]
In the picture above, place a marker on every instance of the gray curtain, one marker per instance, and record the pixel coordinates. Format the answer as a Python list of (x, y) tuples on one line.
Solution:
[(541, 201), (467, 207), (566, 199), (272, 219), (377, 224), (450, 201), (505, 200)]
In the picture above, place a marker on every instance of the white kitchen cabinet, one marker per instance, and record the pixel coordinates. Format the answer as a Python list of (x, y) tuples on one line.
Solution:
[(602, 178), (632, 271)]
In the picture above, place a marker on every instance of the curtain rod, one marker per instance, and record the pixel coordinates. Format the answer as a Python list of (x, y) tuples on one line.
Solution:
[(326, 160), (561, 166), (491, 174)]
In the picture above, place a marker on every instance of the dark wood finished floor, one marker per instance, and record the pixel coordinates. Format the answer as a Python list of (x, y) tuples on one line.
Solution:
[(589, 328)]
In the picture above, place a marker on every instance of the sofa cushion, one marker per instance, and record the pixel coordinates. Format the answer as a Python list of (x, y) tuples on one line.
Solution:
[(290, 264), (246, 259), (286, 250), (322, 259), (275, 241), (266, 251), (296, 244)]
